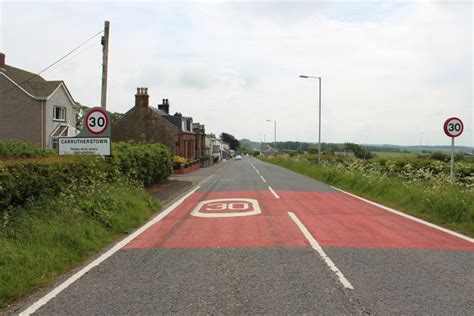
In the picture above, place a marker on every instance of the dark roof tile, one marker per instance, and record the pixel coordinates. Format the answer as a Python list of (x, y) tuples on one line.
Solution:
[(30, 82)]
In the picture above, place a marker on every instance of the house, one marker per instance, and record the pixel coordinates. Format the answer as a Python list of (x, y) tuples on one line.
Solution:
[(33, 109), (154, 124), (187, 138), (268, 150), (216, 148), (200, 131)]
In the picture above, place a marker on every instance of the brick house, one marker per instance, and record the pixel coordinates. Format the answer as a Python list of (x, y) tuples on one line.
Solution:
[(200, 131), (33, 109), (156, 125)]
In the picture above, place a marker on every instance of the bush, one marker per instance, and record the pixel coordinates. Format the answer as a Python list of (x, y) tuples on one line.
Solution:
[(440, 156), (145, 163), (25, 180), (178, 161), (16, 148)]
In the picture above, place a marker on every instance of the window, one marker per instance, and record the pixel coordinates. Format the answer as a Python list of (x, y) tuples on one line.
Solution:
[(55, 143), (59, 113), (188, 125), (61, 131)]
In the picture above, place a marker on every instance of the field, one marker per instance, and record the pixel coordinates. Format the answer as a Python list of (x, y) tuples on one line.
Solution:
[(392, 154)]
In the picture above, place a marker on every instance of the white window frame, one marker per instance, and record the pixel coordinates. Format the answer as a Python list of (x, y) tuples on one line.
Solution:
[(55, 142), (63, 112)]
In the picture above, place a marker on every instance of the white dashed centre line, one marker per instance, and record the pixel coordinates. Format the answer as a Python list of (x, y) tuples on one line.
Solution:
[(314, 243), (273, 192), (265, 181)]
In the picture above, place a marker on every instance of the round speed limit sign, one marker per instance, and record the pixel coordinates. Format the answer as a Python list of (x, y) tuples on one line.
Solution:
[(453, 127), (96, 121)]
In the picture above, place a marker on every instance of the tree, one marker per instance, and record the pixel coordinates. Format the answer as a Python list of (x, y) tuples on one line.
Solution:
[(234, 143), (82, 109), (359, 151)]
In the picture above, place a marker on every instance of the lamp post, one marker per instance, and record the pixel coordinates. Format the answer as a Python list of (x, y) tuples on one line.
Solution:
[(274, 133), (319, 136), (261, 144)]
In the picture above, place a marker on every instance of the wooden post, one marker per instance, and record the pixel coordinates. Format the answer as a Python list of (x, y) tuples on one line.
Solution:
[(105, 57)]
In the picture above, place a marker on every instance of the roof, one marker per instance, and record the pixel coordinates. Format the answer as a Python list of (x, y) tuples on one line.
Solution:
[(161, 112), (34, 84)]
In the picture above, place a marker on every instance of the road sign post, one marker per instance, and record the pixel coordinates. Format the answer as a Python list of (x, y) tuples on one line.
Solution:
[(453, 127), (94, 139)]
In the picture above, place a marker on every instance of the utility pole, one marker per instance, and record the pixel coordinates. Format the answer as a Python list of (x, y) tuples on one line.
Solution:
[(105, 59), (319, 137), (275, 135)]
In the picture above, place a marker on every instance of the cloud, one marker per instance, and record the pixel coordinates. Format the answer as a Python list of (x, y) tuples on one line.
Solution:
[(389, 71)]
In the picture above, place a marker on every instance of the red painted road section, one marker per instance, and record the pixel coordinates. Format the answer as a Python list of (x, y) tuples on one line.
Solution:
[(272, 228), (334, 219)]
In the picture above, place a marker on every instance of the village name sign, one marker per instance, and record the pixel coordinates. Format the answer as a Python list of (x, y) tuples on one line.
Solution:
[(94, 138)]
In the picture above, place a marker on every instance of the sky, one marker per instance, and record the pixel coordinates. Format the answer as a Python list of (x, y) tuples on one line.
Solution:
[(392, 72)]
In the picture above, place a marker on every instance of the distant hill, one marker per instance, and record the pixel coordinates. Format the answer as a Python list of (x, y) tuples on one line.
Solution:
[(250, 144), (293, 145)]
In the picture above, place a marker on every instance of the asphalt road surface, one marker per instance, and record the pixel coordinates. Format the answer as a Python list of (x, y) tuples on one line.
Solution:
[(255, 238)]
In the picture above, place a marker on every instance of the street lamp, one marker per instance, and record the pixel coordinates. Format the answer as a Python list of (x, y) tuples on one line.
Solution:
[(274, 133), (264, 140), (319, 140)]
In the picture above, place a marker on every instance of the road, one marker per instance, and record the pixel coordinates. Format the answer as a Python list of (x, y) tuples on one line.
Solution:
[(257, 238)]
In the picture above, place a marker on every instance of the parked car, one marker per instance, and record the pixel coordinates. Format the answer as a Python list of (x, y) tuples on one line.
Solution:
[(238, 157)]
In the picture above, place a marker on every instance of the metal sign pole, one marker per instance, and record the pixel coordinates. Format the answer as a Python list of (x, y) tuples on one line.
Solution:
[(452, 157)]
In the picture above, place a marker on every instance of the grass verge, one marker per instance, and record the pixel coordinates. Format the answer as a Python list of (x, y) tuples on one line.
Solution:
[(51, 235), (447, 206)]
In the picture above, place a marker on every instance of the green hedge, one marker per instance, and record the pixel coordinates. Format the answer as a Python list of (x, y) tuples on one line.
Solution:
[(16, 148), (24, 180), (146, 163)]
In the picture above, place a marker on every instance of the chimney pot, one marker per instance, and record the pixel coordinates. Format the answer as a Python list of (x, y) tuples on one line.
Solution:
[(2, 60), (142, 98)]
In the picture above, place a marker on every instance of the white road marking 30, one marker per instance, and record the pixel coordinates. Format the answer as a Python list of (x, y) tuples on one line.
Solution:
[(230, 207), (314, 243), (45, 299)]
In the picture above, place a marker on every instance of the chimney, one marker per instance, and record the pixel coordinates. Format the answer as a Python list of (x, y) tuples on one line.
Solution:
[(142, 98), (2, 60), (165, 106)]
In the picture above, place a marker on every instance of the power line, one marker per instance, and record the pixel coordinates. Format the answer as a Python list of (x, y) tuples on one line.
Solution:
[(87, 48), (51, 65)]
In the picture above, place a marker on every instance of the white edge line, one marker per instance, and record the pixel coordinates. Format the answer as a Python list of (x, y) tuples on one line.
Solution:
[(273, 192), (314, 243), (263, 179), (418, 220), (45, 299)]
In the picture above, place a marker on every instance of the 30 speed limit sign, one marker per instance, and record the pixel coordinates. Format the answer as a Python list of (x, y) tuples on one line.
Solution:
[(453, 127), (96, 121)]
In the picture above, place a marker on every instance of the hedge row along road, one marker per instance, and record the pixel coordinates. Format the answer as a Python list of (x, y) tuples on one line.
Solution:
[(257, 238)]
